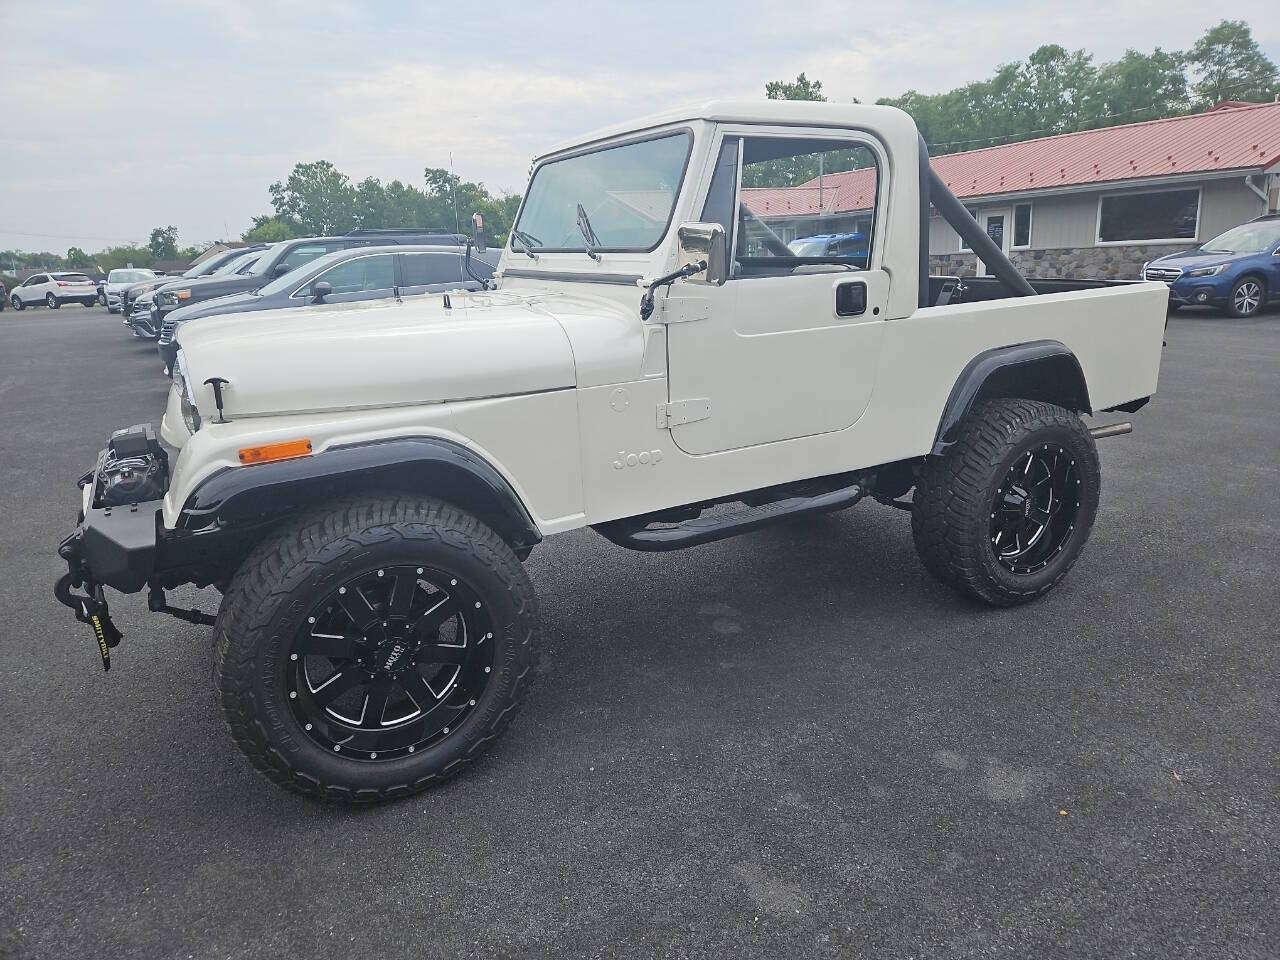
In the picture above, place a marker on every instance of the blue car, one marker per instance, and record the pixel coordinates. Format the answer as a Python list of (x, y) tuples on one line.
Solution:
[(1238, 271), (830, 245)]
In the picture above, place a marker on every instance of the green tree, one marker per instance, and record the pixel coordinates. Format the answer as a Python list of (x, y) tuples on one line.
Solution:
[(802, 88), (792, 171), (77, 258), (164, 243), (123, 256), (1140, 86), (270, 228), (444, 189), (1229, 65), (317, 197)]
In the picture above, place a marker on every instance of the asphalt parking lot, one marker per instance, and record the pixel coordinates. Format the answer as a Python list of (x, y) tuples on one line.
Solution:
[(794, 743)]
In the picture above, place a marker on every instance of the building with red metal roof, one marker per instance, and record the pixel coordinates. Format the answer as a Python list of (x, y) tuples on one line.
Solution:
[(1092, 203)]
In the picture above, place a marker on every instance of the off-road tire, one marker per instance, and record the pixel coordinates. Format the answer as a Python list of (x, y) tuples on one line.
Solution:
[(956, 494), (275, 587), (52, 302)]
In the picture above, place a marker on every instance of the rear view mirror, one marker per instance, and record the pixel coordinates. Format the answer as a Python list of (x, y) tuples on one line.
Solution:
[(477, 231), (319, 290), (704, 243)]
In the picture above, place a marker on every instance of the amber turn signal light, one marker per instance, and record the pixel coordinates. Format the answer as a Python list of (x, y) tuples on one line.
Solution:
[(288, 450)]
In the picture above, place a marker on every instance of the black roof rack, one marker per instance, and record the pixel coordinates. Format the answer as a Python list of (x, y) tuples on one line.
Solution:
[(425, 231)]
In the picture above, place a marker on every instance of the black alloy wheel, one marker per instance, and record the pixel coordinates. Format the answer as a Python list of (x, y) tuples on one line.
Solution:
[(392, 661), (1035, 509), (374, 647), (1005, 512)]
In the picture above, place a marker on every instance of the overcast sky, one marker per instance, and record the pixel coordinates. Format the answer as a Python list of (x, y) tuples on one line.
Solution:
[(124, 116)]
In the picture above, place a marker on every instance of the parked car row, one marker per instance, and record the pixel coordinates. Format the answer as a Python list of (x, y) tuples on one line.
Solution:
[(311, 271)]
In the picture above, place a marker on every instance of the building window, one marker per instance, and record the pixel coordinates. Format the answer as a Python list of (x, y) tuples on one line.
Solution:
[(1021, 225), (973, 212), (1153, 217)]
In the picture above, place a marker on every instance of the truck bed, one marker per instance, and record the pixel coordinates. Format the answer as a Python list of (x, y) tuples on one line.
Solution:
[(945, 290)]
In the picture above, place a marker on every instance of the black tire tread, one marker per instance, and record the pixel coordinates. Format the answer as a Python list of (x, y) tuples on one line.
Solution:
[(264, 581), (950, 498)]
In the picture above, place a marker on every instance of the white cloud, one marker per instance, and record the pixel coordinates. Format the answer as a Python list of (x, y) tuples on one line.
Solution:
[(185, 113)]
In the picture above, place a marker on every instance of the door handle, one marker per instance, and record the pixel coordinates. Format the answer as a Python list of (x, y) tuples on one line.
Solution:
[(851, 299)]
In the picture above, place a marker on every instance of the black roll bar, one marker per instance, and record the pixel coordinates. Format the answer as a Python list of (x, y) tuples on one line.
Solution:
[(934, 191)]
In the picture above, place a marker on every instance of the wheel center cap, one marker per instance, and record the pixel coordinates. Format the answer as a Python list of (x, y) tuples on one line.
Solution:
[(392, 654)]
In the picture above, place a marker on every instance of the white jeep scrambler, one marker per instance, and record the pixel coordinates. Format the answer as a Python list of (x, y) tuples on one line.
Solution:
[(363, 486)]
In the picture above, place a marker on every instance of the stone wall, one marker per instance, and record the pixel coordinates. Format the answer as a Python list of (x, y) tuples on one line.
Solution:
[(1069, 263)]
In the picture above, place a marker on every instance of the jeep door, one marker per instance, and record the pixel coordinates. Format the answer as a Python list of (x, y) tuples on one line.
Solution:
[(788, 347)]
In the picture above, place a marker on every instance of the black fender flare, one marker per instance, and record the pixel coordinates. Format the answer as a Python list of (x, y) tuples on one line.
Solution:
[(1039, 370), (444, 469)]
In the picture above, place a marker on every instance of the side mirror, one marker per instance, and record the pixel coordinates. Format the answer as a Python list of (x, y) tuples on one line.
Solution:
[(477, 231), (280, 270), (319, 290), (704, 243)]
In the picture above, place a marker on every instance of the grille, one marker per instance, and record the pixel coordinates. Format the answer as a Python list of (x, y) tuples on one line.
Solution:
[(1166, 274)]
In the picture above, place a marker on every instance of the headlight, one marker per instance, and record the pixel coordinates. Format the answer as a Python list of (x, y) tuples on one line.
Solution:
[(190, 415), (182, 295), (1208, 271)]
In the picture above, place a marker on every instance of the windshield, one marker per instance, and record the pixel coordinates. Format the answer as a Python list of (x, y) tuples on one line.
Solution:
[(287, 281), (236, 264), (1257, 237), (628, 193), (129, 276), (809, 248)]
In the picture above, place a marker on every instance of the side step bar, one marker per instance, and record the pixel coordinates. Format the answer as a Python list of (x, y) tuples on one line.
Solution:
[(635, 533)]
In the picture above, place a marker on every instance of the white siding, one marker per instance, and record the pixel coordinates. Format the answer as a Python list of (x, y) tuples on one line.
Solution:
[(1071, 220), (1225, 204)]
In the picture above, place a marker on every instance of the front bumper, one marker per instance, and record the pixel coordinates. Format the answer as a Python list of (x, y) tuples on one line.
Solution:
[(140, 319), (168, 350), (121, 499), (122, 544)]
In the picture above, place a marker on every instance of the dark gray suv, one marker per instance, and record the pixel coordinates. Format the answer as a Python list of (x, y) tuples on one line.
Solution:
[(282, 257), (346, 276)]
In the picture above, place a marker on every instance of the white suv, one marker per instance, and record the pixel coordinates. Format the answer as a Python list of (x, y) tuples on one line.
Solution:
[(120, 278), (53, 290)]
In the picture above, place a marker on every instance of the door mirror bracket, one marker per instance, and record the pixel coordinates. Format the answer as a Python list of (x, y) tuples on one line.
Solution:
[(704, 243), (319, 290)]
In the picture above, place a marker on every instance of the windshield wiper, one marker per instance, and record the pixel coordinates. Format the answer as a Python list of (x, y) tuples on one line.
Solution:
[(527, 242), (589, 239)]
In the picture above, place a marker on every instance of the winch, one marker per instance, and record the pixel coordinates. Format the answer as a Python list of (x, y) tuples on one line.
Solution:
[(132, 469)]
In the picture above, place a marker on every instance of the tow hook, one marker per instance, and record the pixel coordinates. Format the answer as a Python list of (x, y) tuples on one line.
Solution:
[(91, 608)]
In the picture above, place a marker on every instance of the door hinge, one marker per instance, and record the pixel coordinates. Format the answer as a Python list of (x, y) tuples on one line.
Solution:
[(682, 411), (684, 309)]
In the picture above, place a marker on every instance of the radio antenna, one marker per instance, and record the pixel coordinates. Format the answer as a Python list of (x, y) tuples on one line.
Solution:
[(453, 193)]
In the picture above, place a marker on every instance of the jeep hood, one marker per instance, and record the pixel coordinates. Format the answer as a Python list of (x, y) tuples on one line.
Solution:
[(378, 353)]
